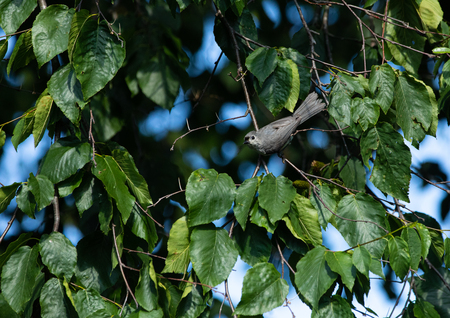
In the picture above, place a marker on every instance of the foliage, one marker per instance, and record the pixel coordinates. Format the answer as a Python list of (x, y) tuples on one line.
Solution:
[(96, 81)]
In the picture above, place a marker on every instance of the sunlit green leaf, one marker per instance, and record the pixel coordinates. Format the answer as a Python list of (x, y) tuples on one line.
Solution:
[(245, 196), (58, 254), (381, 85), (275, 196), (7, 193), (42, 116), (54, 301), (341, 263), (22, 54), (399, 256), (14, 13), (42, 189), (262, 62), (177, 260)]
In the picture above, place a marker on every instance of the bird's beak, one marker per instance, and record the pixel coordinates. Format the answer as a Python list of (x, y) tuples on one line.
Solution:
[(246, 141)]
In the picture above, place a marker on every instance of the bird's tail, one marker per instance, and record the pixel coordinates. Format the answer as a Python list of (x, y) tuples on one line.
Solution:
[(312, 105)]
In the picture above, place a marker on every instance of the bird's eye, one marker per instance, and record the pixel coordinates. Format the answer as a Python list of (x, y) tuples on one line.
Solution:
[(253, 137)]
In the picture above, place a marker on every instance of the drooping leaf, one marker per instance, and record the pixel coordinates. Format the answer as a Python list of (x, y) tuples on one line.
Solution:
[(22, 54), (260, 217), (135, 181), (424, 309), (14, 246), (414, 246), (324, 201), (314, 276), (54, 300), (340, 104), (64, 158), (253, 244), (281, 89), (433, 290), (447, 252), (302, 220), (405, 10), (3, 48), (262, 62), (142, 226), (262, 291), (275, 196), (108, 171), (212, 253), (336, 307), (50, 32), (381, 85), (78, 20), (209, 196), (65, 89), (67, 186), (14, 13), (97, 56), (7, 193), (245, 196), (352, 173), (359, 213), (177, 260), (146, 289), (58, 254), (399, 256), (23, 128), (341, 263), (89, 303), (41, 116), (390, 172), (42, 189), (193, 303), (365, 112), (303, 67), (361, 259), (18, 277)]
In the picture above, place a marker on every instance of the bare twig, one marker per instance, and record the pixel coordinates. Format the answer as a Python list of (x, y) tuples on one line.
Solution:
[(121, 266), (42, 4), (8, 226), (284, 260), (431, 182), (165, 197), (56, 211), (399, 296)]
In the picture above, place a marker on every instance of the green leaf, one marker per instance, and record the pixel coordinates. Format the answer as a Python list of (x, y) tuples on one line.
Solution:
[(245, 196), (65, 89), (51, 32), (362, 210), (425, 239), (78, 20), (193, 302), (7, 311), (399, 256), (431, 13), (275, 196), (42, 189), (160, 80), (135, 181), (303, 222), (14, 13), (424, 309), (262, 62), (146, 289), (14, 246), (67, 186), (414, 110), (336, 307), (2, 138), (432, 289), (107, 122), (381, 85), (58, 254), (142, 226), (54, 301), (209, 196), (340, 104), (3, 47), (362, 259), (177, 260), (353, 173), (22, 54), (447, 252), (365, 112), (314, 276), (323, 194), (108, 171), (341, 263), (391, 169), (64, 158), (7, 193), (405, 10), (262, 291), (89, 303), (281, 89), (41, 116), (253, 244), (376, 268), (18, 276), (414, 246), (25, 200), (303, 67), (24, 128), (259, 217), (352, 84), (94, 265), (213, 254), (97, 57)]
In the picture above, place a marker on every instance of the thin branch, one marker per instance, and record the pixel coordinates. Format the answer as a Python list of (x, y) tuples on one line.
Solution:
[(399, 296), (204, 127), (430, 182), (42, 4), (148, 214), (91, 135), (141, 252), (283, 259), (437, 272), (165, 197), (56, 211), (8, 226), (121, 266)]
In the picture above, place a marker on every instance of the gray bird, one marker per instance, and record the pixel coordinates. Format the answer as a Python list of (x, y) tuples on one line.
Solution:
[(274, 137)]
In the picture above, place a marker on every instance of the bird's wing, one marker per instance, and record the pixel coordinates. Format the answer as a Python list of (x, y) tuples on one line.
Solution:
[(281, 123)]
